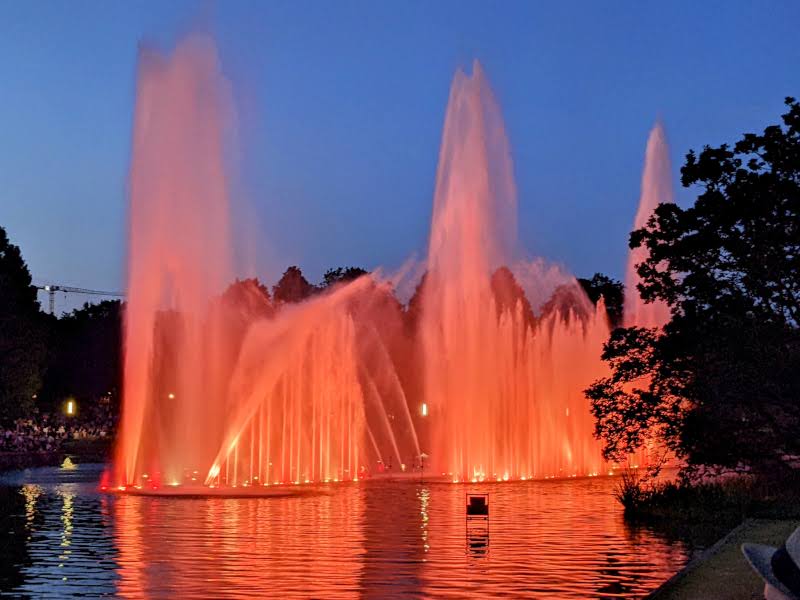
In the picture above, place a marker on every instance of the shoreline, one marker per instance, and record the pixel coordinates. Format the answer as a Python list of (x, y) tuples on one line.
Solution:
[(722, 572), (86, 450)]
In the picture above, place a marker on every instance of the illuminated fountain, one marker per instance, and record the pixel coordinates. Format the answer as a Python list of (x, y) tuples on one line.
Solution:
[(505, 389), (656, 189), (179, 258), (227, 390), (216, 391)]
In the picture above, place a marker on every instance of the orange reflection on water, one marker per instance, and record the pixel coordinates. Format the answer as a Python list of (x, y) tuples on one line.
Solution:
[(309, 546), (544, 539)]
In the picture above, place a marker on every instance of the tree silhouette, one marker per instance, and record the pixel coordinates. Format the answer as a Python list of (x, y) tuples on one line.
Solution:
[(341, 275), (292, 287), (720, 385), (250, 297), (612, 292), (85, 358), (22, 334)]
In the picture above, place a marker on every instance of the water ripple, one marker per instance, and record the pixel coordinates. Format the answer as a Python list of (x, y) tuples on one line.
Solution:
[(564, 539)]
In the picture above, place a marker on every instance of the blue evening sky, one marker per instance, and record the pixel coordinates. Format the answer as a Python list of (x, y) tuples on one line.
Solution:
[(340, 106)]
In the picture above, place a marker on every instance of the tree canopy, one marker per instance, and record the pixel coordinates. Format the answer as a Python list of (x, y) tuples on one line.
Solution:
[(612, 292), (85, 358), (720, 385), (292, 286), (341, 275), (22, 334)]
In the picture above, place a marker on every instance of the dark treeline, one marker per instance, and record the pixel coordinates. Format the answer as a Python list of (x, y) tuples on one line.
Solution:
[(45, 360)]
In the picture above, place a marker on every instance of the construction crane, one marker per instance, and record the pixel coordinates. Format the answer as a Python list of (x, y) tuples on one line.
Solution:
[(52, 289)]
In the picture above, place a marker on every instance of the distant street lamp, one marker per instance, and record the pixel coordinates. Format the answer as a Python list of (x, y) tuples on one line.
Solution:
[(70, 407)]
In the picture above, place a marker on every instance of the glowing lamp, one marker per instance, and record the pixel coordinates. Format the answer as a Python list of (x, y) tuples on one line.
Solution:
[(424, 410), (70, 407), (171, 396)]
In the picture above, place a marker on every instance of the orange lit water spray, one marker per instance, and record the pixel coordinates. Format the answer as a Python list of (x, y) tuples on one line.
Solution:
[(232, 392)]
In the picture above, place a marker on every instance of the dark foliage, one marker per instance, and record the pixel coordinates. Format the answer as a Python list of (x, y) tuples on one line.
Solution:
[(724, 501), (292, 287), (22, 334), (612, 292), (250, 297), (85, 358), (721, 384), (341, 275)]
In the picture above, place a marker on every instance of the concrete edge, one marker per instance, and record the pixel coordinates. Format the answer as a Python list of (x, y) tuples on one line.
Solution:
[(666, 587)]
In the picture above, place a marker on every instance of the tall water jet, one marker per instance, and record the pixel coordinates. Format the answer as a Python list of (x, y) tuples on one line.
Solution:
[(656, 189), (505, 391), (179, 259)]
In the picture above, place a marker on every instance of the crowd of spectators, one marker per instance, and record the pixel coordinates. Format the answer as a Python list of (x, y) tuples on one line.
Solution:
[(47, 432)]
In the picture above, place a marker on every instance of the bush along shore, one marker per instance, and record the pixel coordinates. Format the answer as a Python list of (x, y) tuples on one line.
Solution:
[(723, 499)]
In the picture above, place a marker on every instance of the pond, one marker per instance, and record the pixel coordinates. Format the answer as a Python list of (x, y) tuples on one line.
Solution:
[(550, 539)]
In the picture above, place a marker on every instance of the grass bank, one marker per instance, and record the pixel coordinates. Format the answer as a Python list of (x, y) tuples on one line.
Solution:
[(722, 573)]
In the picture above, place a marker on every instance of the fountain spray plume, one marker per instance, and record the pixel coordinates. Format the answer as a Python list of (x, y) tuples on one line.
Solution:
[(179, 259), (229, 390), (656, 189), (312, 395), (218, 388), (505, 391)]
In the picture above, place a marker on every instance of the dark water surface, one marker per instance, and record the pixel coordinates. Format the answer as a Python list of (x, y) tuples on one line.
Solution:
[(548, 539)]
